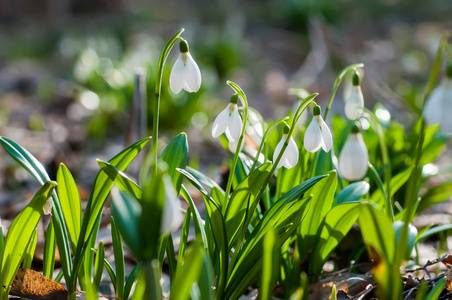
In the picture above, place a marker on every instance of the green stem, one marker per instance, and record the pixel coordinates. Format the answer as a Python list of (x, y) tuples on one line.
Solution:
[(158, 90), (337, 83), (412, 186), (384, 156), (380, 184), (239, 144), (264, 138)]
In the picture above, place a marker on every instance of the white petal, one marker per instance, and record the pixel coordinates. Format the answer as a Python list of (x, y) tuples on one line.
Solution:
[(221, 122), (47, 207), (354, 103), (192, 74), (313, 136), (177, 81), (278, 150), (291, 154), (233, 146), (327, 139), (354, 158), (234, 129)]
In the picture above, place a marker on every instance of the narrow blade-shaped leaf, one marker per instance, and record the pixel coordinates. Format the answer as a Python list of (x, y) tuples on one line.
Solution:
[(175, 155), (49, 252), (118, 253)]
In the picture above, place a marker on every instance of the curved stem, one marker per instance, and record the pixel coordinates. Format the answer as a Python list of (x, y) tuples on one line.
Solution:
[(158, 90), (264, 138), (242, 135), (384, 156), (336, 85)]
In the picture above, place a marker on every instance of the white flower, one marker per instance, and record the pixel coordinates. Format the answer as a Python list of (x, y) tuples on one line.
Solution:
[(228, 121), (318, 134), (354, 158), (438, 108), (185, 73), (353, 98), (290, 157), (254, 127)]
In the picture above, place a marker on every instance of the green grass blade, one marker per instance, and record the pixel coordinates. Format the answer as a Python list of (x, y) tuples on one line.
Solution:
[(270, 266), (183, 239), (36, 169), (49, 252), (111, 273), (70, 203), (121, 179), (99, 192), (433, 230), (118, 253), (99, 266), (436, 290), (131, 279), (19, 235), (197, 220), (2, 241)]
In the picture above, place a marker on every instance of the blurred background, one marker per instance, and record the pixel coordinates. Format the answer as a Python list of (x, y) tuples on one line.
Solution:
[(67, 68)]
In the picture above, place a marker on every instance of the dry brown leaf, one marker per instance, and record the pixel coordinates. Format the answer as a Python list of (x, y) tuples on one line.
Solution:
[(33, 285)]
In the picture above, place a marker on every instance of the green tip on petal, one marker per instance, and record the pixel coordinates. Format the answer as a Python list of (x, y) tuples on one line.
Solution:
[(234, 98), (449, 70), (356, 79), (317, 110), (183, 46), (355, 129), (286, 129)]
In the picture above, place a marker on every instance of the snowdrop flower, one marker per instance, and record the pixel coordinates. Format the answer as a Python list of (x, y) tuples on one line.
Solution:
[(318, 134), (354, 158), (354, 103), (439, 106), (228, 121), (290, 157), (185, 73)]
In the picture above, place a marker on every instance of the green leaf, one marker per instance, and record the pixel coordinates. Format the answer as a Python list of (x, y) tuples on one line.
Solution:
[(377, 231), (396, 183), (436, 290), (270, 266), (175, 155), (435, 195), (99, 192), (127, 211), (70, 203), (30, 252), (334, 228), (197, 220), (99, 265), (36, 169), (243, 200), (19, 235), (49, 252), (121, 179), (118, 253), (433, 230), (200, 177), (323, 197), (183, 239), (111, 272), (352, 193), (131, 279)]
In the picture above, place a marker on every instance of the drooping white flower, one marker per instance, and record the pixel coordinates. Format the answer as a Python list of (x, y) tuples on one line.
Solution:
[(185, 73), (354, 100), (254, 127), (318, 134), (438, 108), (290, 156), (228, 121), (354, 158)]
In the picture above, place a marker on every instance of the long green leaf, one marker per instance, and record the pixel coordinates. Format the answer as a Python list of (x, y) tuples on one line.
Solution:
[(19, 235), (35, 168), (121, 179), (99, 265), (70, 203), (99, 192), (335, 226), (436, 290), (352, 193), (269, 266), (49, 252), (197, 220), (30, 252), (131, 279), (118, 253)]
